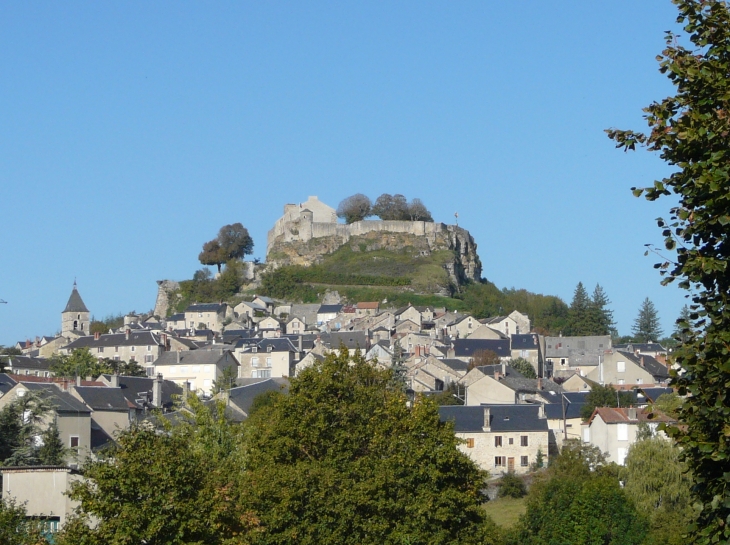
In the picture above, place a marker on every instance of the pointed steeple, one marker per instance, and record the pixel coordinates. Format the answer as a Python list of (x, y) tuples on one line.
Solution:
[(75, 303)]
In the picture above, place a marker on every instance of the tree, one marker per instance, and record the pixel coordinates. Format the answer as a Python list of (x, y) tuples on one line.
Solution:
[(21, 423), (579, 501), (16, 528), (523, 367), (51, 451), (511, 486), (171, 486), (689, 130), (646, 326), (80, 363), (391, 207), (483, 357), (232, 242), (600, 317), (659, 484), (604, 396), (417, 211), (669, 404), (357, 207), (343, 460), (227, 380), (578, 313), (398, 365), (682, 325)]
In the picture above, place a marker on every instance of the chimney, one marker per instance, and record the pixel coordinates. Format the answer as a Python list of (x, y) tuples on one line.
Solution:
[(114, 381), (78, 381), (504, 368), (632, 413), (178, 356), (487, 427), (89, 378), (539, 383), (126, 333), (299, 344), (96, 336), (185, 392), (642, 361), (157, 391), (541, 411), (497, 375), (163, 341)]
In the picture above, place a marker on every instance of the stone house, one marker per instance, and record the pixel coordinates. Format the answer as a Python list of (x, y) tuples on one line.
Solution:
[(326, 313), (211, 315), (567, 355), (620, 368), (404, 327), (500, 438), (141, 346), (528, 348), (295, 326), (380, 352), (613, 430), (268, 358), (462, 327), (198, 368), (43, 492), (266, 302), (501, 384), (269, 327), (249, 309), (431, 374), (466, 349), (409, 313), (145, 392), (25, 365), (111, 411), (577, 383), (564, 422), (367, 308), (485, 332)]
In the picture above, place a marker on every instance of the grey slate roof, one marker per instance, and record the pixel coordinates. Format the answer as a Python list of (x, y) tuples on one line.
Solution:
[(75, 303), (579, 350), (457, 365), (277, 344), (206, 307), (329, 309), (25, 362), (503, 418), (554, 411), (101, 398), (519, 383), (652, 394), (6, 383), (641, 347), (525, 342), (136, 338), (466, 348), (196, 357), (656, 369), (132, 387), (62, 401), (351, 339)]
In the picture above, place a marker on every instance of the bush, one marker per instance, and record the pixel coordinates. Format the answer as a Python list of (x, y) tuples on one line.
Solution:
[(511, 486)]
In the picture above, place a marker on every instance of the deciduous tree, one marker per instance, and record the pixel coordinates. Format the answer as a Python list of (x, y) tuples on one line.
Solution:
[(354, 208), (524, 367), (690, 131), (232, 242), (604, 396)]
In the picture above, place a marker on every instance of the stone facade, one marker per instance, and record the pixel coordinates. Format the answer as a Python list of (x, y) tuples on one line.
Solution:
[(314, 220)]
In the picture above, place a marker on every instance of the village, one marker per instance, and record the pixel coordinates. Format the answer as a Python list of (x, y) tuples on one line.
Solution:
[(514, 396)]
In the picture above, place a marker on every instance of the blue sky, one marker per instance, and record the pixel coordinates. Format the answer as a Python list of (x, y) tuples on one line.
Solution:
[(130, 132)]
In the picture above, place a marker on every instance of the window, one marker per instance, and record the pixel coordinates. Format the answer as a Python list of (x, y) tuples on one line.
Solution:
[(196, 368), (621, 456), (134, 348), (268, 362), (499, 461), (116, 358), (149, 348), (132, 358), (639, 381), (620, 366), (206, 384), (523, 461), (622, 432), (148, 358), (116, 349), (620, 381), (184, 369), (206, 368), (497, 440), (74, 441), (470, 442), (100, 350), (261, 373), (523, 440), (511, 440), (254, 362), (586, 435)]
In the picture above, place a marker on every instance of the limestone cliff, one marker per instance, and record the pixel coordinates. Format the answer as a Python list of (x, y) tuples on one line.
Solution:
[(306, 243)]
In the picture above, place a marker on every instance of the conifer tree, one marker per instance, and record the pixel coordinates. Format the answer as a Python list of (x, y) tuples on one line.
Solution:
[(578, 312), (601, 317), (646, 326), (52, 452)]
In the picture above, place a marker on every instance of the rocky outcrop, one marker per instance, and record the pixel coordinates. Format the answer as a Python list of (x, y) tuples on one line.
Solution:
[(308, 242), (164, 289)]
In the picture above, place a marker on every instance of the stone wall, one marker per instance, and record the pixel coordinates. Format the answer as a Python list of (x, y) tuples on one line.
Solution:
[(162, 304)]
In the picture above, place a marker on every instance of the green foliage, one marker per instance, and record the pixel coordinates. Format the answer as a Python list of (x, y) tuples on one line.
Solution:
[(80, 363), (174, 487), (646, 326), (52, 451), (283, 283), (604, 396), (16, 529), (205, 289), (227, 380), (232, 243), (689, 130), (659, 484), (264, 401), (524, 367), (112, 321), (589, 315), (21, 423), (483, 357), (579, 501), (448, 396), (343, 460), (511, 486), (669, 404)]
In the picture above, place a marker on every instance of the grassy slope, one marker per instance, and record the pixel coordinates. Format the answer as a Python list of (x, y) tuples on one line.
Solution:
[(505, 511)]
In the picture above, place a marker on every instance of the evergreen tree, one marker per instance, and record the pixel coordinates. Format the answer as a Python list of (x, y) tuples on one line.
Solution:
[(683, 325), (52, 451), (646, 326), (578, 313), (600, 317), (398, 365)]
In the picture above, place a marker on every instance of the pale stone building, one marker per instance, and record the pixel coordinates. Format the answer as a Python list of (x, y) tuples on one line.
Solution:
[(75, 316), (198, 368), (501, 438)]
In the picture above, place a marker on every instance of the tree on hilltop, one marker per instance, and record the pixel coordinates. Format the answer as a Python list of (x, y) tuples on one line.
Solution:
[(646, 326), (232, 242), (354, 208)]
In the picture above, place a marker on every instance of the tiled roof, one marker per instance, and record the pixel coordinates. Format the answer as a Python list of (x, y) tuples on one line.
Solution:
[(62, 401), (103, 398), (75, 303), (135, 338)]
